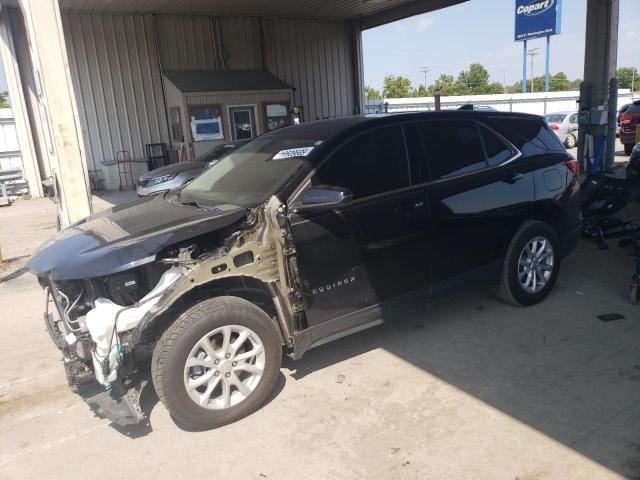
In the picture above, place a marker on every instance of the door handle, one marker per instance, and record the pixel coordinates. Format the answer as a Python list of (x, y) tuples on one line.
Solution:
[(513, 177), (409, 206)]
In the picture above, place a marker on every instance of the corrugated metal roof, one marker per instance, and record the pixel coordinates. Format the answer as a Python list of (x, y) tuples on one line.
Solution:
[(324, 9), (229, 81)]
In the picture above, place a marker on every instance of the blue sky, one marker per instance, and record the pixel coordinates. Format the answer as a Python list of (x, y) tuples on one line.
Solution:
[(481, 31)]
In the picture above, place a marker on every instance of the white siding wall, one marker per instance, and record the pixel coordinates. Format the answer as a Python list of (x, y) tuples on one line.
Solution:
[(189, 42), (116, 75), (316, 57), (116, 69)]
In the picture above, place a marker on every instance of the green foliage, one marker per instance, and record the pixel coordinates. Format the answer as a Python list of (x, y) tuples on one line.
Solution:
[(446, 84), (626, 78), (474, 81), (4, 100), (557, 83), (396, 87), (371, 93), (421, 91)]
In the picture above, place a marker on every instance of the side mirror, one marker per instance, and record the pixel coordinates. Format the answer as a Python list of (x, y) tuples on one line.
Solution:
[(324, 197)]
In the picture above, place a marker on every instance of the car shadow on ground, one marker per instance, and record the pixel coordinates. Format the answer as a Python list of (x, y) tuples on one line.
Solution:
[(555, 366), (149, 399)]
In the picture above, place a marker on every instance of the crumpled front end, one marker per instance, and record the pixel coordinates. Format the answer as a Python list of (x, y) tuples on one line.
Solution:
[(106, 327)]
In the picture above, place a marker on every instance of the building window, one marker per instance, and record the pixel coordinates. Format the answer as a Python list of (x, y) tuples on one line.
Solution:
[(206, 122), (243, 122), (175, 122), (276, 115)]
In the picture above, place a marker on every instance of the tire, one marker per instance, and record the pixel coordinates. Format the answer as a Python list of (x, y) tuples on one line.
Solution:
[(512, 289), (570, 141), (628, 147), (210, 322)]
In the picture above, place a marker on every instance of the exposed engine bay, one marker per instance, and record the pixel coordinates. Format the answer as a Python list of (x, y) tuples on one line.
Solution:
[(107, 326)]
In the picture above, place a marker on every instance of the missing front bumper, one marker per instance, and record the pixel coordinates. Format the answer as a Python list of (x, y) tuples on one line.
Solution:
[(121, 405)]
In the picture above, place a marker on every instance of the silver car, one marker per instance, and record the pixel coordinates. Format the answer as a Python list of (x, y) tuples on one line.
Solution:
[(176, 175), (565, 124)]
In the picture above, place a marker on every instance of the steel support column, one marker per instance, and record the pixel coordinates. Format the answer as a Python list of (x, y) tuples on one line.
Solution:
[(601, 45), (57, 105)]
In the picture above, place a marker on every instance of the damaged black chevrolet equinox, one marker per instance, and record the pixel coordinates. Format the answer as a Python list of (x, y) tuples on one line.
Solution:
[(303, 235)]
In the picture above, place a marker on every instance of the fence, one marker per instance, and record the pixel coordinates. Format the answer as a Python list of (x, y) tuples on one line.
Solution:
[(536, 103), (10, 156)]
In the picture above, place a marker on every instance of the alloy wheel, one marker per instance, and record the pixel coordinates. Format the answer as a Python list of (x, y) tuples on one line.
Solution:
[(224, 367), (535, 264)]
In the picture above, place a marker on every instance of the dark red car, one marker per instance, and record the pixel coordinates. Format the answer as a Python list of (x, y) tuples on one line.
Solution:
[(628, 124)]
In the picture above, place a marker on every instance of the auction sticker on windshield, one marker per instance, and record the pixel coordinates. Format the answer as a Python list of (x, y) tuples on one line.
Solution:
[(292, 153)]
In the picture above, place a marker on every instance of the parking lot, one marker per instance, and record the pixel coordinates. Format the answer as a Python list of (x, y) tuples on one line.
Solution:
[(470, 388)]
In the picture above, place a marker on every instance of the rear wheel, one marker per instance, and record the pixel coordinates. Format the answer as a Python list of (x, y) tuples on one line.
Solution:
[(531, 265), (217, 363), (628, 147), (570, 141)]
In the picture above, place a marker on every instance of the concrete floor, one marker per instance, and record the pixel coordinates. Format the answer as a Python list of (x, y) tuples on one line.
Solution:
[(471, 388)]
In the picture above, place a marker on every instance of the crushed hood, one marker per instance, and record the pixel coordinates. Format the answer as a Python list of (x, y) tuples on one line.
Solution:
[(125, 236)]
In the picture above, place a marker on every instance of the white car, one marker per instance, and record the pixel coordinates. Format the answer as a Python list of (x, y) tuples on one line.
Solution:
[(565, 125)]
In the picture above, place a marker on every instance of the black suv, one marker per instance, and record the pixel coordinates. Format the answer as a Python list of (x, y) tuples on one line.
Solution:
[(303, 235)]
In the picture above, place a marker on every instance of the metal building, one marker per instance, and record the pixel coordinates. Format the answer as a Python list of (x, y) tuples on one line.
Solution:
[(90, 78)]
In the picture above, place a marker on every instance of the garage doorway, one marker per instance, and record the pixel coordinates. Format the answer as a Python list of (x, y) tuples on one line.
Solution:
[(243, 122)]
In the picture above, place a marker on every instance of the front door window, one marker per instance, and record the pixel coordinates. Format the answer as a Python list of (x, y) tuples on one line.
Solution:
[(243, 122)]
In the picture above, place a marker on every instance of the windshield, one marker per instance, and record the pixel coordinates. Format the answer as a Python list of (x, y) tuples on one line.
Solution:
[(555, 117), (253, 172)]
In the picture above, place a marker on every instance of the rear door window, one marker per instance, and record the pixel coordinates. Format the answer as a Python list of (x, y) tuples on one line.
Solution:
[(452, 148), (372, 163)]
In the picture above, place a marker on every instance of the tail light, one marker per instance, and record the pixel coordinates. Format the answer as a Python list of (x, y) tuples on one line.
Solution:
[(574, 166), (555, 127), (624, 119)]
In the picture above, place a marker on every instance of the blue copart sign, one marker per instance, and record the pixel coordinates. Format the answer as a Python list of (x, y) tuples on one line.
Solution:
[(537, 18)]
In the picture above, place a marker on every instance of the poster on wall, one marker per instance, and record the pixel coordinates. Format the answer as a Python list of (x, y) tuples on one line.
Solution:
[(207, 129), (206, 123)]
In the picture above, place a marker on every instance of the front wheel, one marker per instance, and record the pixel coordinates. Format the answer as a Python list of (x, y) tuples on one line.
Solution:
[(531, 264), (217, 363)]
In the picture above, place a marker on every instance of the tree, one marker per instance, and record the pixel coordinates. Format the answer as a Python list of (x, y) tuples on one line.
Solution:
[(421, 91), (446, 84), (4, 102), (495, 87), (371, 93), (396, 87), (559, 82), (474, 81), (626, 78)]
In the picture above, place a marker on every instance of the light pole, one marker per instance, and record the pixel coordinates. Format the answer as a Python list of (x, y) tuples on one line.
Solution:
[(504, 79), (532, 53)]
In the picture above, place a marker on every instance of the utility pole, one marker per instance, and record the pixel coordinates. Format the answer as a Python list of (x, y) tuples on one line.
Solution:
[(425, 70), (532, 53), (504, 79)]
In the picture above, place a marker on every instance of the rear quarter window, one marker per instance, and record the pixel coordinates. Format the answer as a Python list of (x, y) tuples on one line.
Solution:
[(633, 109), (531, 136)]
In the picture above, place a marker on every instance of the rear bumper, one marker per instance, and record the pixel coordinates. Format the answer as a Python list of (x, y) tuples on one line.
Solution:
[(626, 137)]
